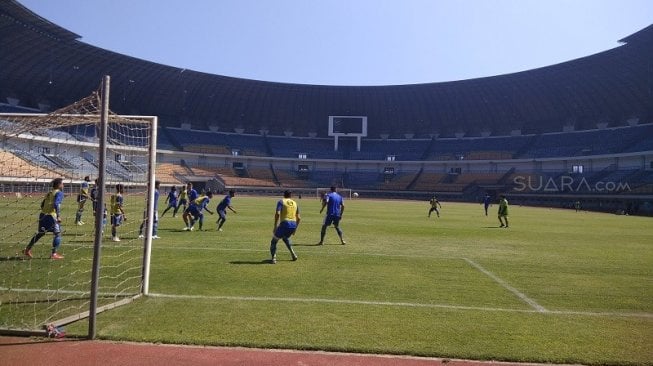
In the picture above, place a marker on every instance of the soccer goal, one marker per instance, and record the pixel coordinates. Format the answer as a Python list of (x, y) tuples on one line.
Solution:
[(80, 144), (345, 192)]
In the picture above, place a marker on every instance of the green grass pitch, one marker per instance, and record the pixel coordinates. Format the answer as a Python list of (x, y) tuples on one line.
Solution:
[(557, 286)]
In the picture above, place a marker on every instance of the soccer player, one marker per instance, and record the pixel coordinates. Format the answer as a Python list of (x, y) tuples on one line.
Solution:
[(183, 201), (171, 200), (81, 200), (222, 209), (194, 211), (434, 206), (192, 193), (156, 214), (192, 196), (94, 201), (117, 212), (49, 220), (487, 201), (93, 196), (335, 206), (286, 220), (503, 211)]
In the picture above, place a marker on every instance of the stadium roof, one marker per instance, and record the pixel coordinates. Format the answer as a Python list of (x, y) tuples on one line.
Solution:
[(44, 64)]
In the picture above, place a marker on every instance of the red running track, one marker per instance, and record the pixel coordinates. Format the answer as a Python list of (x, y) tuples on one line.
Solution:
[(17, 351)]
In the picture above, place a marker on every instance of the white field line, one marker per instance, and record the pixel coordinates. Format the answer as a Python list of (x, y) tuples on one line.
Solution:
[(396, 304), (341, 301), (526, 299)]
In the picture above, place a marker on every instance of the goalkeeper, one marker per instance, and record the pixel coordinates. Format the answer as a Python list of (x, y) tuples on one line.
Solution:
[(82, 197)]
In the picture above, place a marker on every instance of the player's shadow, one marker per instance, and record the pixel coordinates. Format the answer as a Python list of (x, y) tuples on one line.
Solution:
[(305, 245), (492, 227), (264, 261), (14, 258)]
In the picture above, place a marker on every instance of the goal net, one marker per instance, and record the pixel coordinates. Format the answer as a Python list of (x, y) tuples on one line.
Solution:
[(320, 192), (37, 289)]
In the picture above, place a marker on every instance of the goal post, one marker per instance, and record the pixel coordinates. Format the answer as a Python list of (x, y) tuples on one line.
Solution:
[(79, 143)]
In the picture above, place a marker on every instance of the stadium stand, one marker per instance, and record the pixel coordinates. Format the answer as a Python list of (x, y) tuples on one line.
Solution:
[(536, 101), (397, 182), (315, 148), (24, 169), (169, 173), (218, 143), (586, 120), (292, 179)]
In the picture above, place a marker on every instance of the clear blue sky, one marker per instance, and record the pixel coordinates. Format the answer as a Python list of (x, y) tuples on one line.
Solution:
[(351, 42)]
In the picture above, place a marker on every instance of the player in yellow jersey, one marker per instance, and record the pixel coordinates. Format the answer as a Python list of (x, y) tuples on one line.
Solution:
[(194, 211), (286, 220), (49, 219), (434, 206), (503, 211), (81, 199), (117, 212), (183, 200)]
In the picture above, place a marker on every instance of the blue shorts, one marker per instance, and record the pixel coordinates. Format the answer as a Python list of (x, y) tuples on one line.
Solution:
[(222, 214), (195, 212), (48, 224), (116, 220), (285, 229), (332, 219), (182, 202)]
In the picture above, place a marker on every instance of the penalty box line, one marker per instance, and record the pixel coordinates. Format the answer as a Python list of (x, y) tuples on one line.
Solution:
[(396, 304), (539, 308), (340, 301)]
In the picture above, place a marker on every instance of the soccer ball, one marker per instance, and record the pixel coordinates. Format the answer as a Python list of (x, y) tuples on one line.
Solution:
[(355, 194)]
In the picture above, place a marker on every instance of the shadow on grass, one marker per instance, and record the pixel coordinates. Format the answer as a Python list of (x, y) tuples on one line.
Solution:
[(307, 245), (14, 258), (264, 261)]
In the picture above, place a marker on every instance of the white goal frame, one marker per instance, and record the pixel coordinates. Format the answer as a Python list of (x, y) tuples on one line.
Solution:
[(103, 117), (321, 191)]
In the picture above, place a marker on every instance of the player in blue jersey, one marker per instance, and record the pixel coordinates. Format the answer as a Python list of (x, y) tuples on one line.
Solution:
[(335, 206), (49, 220), (82, 197), (117, 211), (94, 196), (171, 200), (94, 200), (286, 220), (191, 195), (156, 215), (487, 201), (222, 209), (194, 211)]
